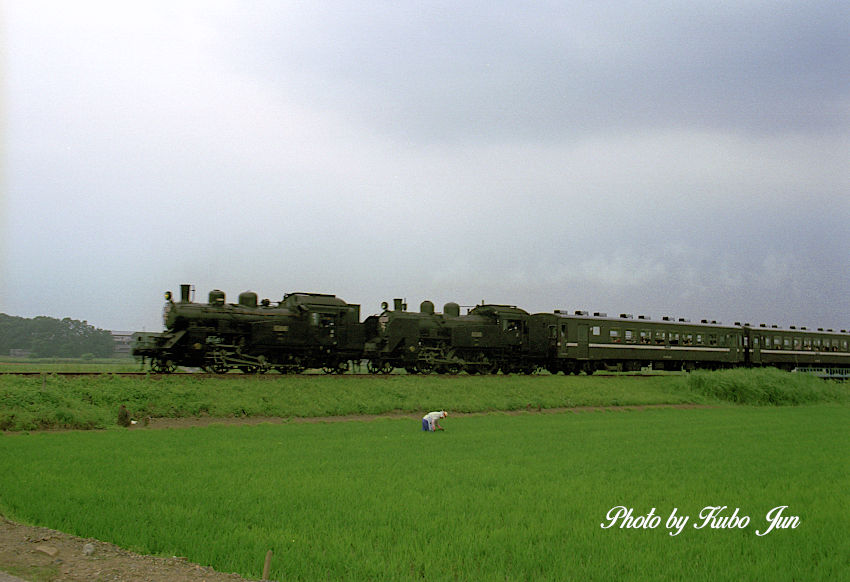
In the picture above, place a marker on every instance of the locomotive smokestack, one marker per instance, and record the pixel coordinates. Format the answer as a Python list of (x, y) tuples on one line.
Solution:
[(184, 293)]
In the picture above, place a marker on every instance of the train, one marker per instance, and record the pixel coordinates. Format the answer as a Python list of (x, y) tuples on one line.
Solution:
[(315, 331)]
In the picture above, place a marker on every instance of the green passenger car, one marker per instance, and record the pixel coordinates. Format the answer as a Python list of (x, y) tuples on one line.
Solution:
[(584, 342)]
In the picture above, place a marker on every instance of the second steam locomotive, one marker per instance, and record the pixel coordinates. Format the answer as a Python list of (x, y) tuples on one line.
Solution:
[(318, 331)]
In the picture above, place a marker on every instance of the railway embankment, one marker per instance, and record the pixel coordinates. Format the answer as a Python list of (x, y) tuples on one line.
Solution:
[(54, 402)]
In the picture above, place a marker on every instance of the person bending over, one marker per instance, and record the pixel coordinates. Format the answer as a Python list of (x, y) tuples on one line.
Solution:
[(430, 422)]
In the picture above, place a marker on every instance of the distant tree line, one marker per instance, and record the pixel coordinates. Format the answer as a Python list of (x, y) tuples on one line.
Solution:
[(48, 337)]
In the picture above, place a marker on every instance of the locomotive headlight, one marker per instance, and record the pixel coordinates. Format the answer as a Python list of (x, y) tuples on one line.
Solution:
[(168, 295)]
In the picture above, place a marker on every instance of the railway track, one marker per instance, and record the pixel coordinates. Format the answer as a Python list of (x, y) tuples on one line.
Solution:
[(173, 374), (269, 375)]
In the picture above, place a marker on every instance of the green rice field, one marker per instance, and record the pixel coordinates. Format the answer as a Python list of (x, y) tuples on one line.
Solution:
[(519, 497)]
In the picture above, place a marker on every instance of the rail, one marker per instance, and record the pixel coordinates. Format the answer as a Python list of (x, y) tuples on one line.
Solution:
[(826, 373)]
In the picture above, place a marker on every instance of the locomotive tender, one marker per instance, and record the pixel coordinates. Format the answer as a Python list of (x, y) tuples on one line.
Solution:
[(311, 330)]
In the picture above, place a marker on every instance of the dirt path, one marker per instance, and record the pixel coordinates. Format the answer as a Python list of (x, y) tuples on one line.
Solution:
[(37, 554), (159, 423)]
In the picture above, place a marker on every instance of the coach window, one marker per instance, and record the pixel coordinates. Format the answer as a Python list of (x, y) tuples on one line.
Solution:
[(817, 344), (689, 339), (674, 339), (786, 343), (712, 339), (699, 339), (615, 335), (807, 344), (630, 336), (596, 330), (844, 345), (645, 336), (777, 342), (660, 337), (798, 343)]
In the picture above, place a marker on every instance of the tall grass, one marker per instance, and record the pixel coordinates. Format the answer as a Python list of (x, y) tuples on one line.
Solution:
[(766, 386), (494, 497)]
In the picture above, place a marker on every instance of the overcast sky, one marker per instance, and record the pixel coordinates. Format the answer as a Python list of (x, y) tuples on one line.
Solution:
[(662, 158)]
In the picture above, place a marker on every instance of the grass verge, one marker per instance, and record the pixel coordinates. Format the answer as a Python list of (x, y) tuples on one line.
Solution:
[(30, 403)]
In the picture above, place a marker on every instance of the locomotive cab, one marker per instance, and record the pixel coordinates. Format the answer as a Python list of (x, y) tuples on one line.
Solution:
[(506, 325)]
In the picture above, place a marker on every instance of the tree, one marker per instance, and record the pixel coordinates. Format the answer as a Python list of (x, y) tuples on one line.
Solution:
[(49, 337)]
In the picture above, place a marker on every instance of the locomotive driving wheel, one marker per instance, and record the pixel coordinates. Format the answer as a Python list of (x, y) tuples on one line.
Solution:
[(162, 366), (340, 367), (483, 365), (295, 365), (424, 367), (380, 366), (490, 367)]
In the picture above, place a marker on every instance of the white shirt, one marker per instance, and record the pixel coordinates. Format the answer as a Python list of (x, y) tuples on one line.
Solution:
[(432, 417)]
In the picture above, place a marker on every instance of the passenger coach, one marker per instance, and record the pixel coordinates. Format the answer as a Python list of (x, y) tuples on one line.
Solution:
[(586, 343), (796, 347)]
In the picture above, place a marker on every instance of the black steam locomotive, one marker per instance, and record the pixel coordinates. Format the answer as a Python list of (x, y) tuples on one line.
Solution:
[(304, 330), (316, 331), (487, 339)]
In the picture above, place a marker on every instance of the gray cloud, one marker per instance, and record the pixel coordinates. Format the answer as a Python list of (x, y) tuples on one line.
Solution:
[(508, 73), (685, 159)]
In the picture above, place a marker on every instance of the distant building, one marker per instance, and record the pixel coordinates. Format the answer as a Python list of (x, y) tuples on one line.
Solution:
[(19, 353), (123, 341)]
